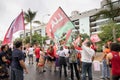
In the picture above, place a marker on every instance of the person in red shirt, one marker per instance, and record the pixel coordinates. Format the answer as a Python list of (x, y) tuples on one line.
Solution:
[(51, 56), (113, 59), (93, 46), (78, 57), (37, 53)]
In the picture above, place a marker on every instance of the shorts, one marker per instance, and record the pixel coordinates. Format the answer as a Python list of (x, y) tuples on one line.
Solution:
[(30, 55), (50, 59), (37, 59)]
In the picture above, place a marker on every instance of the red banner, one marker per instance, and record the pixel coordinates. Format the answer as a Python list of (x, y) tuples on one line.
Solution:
[(95, 38)]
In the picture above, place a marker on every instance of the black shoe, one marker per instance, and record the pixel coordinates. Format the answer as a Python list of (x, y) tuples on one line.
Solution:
[(44, 70)]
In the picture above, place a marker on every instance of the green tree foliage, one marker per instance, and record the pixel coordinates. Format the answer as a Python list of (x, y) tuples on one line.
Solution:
[(84, 36), (106, 32), (29, 17), (36, 38)]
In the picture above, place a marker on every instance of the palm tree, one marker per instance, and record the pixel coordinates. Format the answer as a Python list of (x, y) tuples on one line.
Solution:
[(110, 12), (29, 17)]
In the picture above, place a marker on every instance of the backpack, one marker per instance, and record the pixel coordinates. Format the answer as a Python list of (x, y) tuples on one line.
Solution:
[(72, 56)]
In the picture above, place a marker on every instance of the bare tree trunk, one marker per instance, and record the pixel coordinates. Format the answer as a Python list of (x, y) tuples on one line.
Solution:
[(114, 34), (30, 33)]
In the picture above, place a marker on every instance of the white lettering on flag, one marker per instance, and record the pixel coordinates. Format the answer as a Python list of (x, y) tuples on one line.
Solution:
[(56, 20)]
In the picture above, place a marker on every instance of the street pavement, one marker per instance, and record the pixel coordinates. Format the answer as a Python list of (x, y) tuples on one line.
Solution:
[(34, 75)]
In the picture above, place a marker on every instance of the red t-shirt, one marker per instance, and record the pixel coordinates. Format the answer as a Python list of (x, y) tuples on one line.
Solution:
[(37, 52), (78, 48), (115, 61), (51, 52), (93, 47)]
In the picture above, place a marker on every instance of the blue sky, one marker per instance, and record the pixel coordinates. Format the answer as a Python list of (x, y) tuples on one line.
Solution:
[(9, 9)]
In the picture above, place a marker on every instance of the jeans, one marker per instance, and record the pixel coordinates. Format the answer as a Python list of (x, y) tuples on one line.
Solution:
[(86, 68), (62, 62), (76, 71), (16, 74), (65, 71), (105, 70)]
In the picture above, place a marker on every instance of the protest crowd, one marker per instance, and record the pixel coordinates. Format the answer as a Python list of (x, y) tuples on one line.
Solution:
[(72, 59)]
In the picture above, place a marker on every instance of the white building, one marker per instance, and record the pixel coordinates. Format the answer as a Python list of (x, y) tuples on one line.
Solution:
[(86, 22), (35, 29)]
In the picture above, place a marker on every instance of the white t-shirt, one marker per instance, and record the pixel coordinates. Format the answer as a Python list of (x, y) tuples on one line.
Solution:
[(87, 54), (31, 50), (62, 53)]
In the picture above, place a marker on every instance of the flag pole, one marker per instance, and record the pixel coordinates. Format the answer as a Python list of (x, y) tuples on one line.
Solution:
[(24, 29), (67, 16)]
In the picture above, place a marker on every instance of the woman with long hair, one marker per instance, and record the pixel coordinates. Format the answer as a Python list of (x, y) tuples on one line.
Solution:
[(3, 63), (73, 62)]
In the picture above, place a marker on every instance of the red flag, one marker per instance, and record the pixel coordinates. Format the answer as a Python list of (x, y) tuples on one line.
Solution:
[(95, 38), (16, 25), (58, 24)]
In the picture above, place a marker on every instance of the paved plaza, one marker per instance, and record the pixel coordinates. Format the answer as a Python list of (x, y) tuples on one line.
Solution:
[(34, 75)]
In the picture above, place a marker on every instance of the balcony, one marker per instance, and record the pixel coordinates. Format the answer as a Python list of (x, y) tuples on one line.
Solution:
[(95, 32), (117, 19), (76, 22), (77, 27), (92, 19), (93, 25), (94, 29)]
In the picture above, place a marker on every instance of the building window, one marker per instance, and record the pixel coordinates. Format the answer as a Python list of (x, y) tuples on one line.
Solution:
[(21, 35), (38, 31), (77, 23), (28, 34)]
